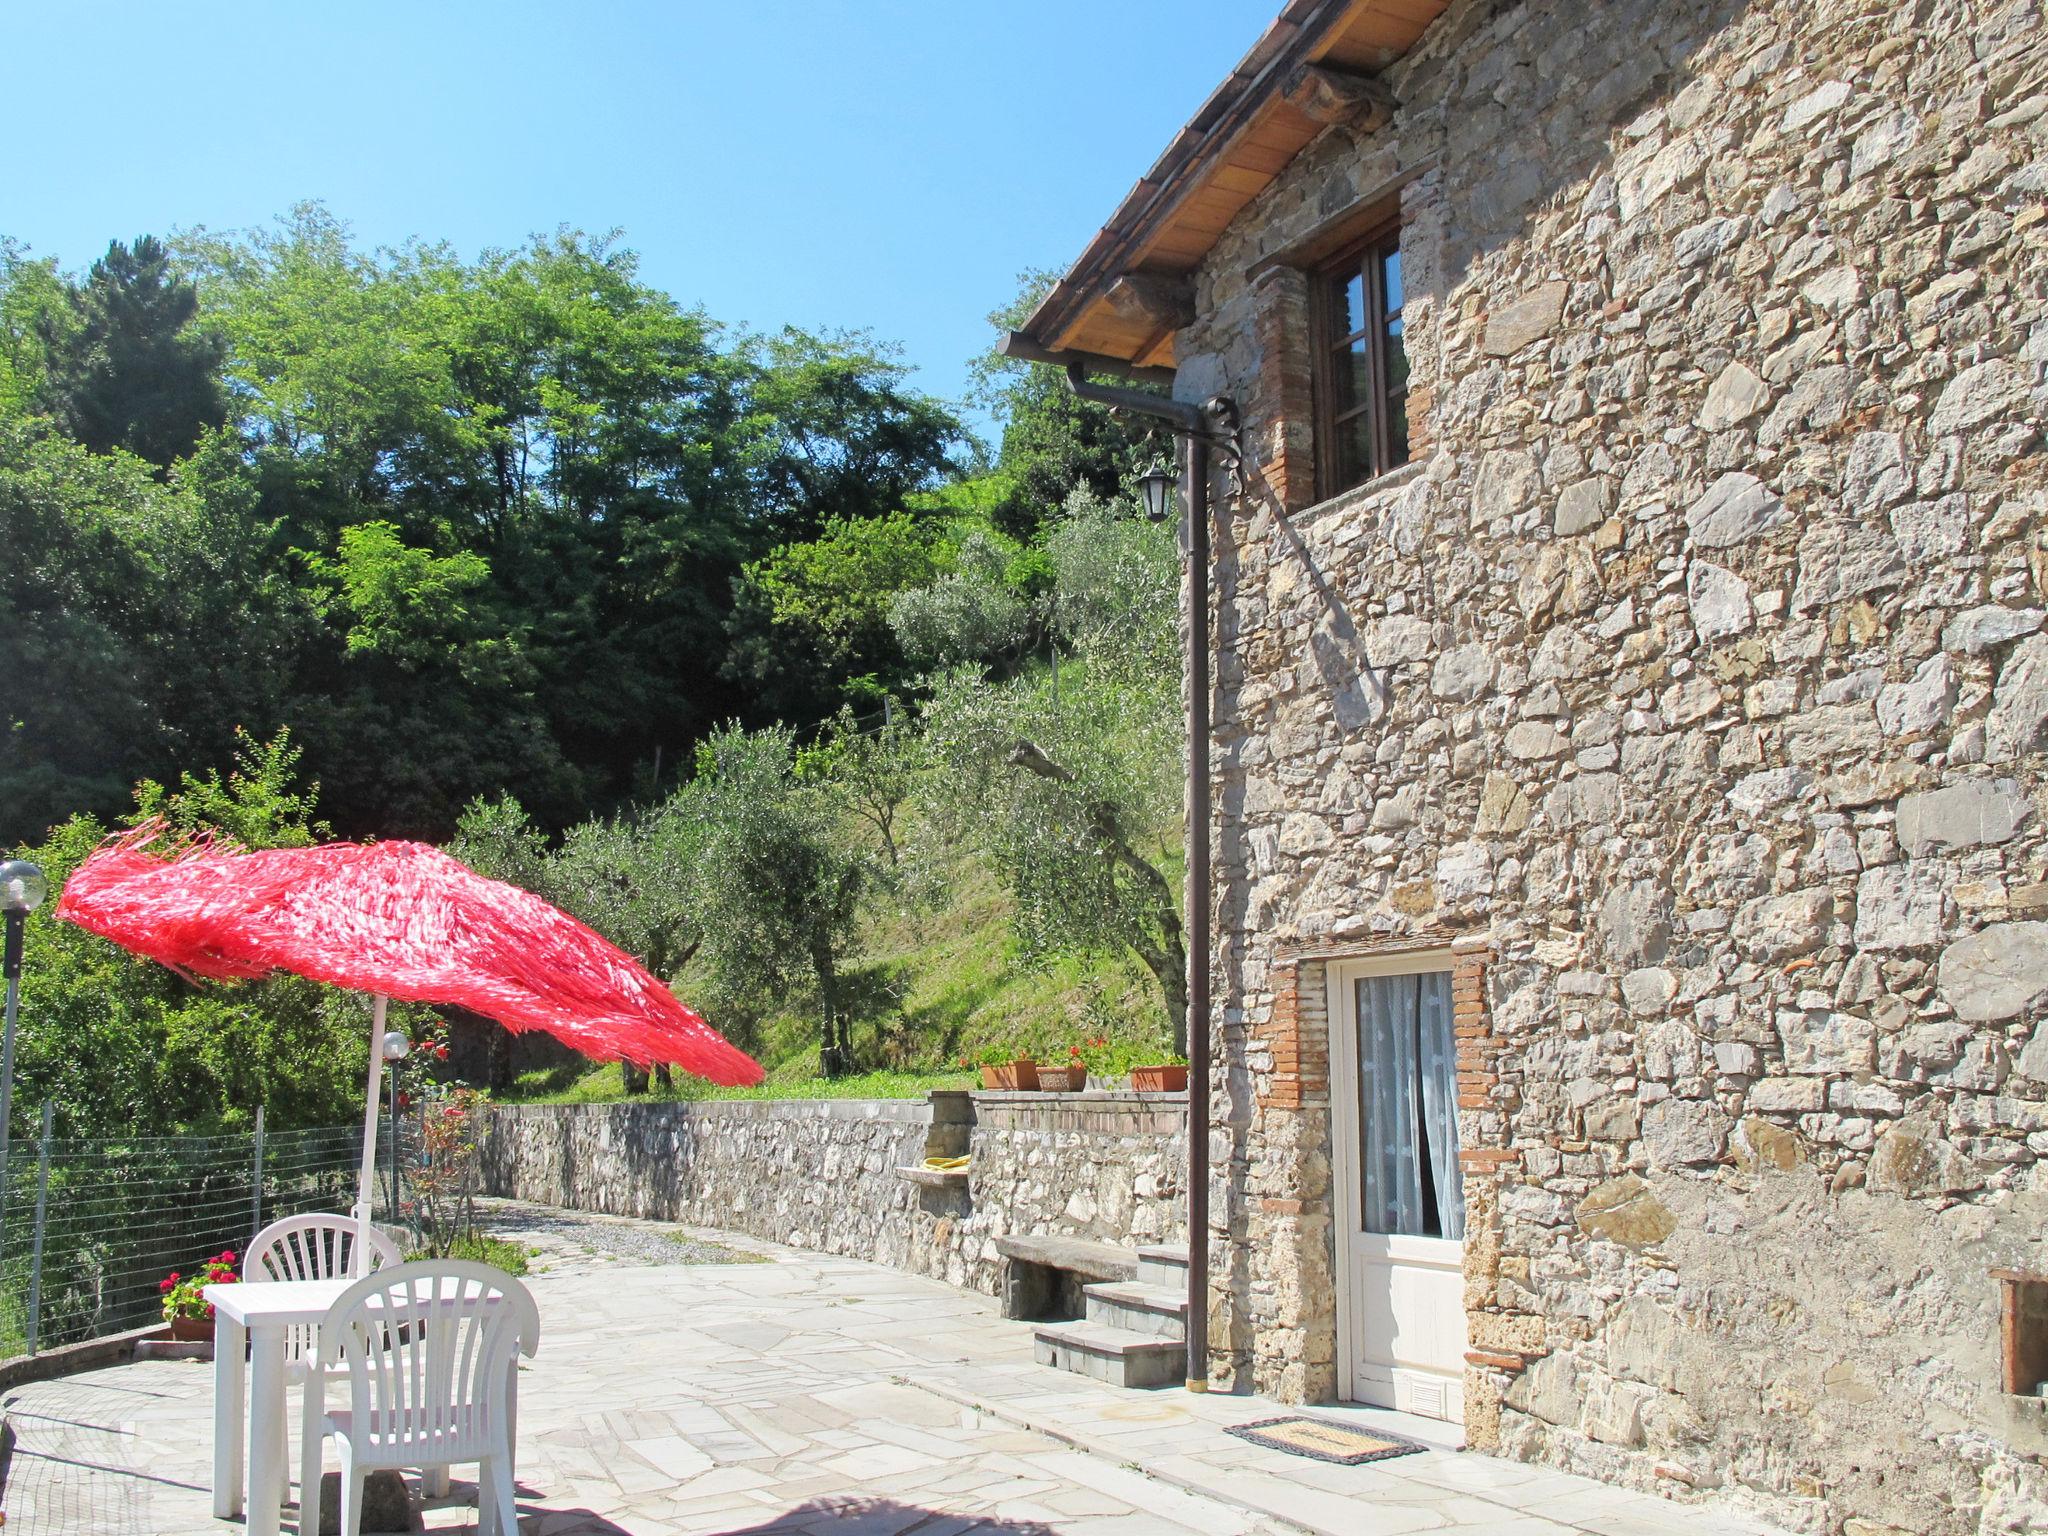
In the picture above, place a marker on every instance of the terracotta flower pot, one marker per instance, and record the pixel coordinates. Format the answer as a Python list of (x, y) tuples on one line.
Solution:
[(1159, 1079), (192, 1330), (1019, 1076), (1062, 1079)]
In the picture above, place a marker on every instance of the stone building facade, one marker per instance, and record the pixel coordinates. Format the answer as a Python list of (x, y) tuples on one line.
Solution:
[(1689, 685)]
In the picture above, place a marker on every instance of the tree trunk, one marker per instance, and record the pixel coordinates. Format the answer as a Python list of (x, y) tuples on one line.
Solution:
[(831, 1055), (1166, 955), (634, 1078), (1167, 958)]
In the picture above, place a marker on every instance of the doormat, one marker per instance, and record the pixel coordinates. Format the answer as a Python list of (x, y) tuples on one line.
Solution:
[(1325, 1441)]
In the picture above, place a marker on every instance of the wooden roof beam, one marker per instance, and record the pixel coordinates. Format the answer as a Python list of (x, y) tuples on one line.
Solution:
[(1160, 301), (1016, 344), (1330, 95)]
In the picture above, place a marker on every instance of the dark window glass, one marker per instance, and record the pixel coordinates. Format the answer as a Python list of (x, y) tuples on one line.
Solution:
[(1361, 368), (1350, 315), (1351, 377)]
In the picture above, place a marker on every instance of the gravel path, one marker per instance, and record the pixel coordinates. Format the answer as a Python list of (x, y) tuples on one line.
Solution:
[(560, 1241)]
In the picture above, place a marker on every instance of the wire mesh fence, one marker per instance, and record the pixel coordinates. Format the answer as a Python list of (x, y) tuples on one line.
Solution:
[(89, 1228)]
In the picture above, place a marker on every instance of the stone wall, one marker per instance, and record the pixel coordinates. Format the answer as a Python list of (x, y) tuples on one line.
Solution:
[(1693, 679), (823, 1174)]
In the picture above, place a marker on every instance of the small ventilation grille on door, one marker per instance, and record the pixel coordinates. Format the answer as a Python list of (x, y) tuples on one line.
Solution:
[(1426, 1398)]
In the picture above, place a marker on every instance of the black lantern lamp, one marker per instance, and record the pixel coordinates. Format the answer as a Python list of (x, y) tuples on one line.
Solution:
[(22, 889), (1157, 486)]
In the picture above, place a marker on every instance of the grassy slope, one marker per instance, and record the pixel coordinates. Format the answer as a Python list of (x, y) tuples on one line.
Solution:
[(963, 989)]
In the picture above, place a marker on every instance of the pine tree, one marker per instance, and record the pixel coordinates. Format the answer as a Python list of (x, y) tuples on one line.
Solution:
[(127, 368)]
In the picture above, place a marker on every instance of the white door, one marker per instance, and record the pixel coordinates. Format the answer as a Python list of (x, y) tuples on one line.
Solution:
[(1400, 1200)]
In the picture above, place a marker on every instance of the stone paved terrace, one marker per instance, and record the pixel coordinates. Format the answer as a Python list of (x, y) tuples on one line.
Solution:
[(770, 1390)]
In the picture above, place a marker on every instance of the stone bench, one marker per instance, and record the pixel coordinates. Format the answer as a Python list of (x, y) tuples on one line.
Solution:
[(1042, 1277)]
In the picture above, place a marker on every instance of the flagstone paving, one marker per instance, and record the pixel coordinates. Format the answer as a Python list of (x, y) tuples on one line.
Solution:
[(773, 1391)]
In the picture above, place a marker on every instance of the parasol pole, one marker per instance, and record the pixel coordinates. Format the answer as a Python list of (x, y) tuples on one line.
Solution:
[(364, 1183)]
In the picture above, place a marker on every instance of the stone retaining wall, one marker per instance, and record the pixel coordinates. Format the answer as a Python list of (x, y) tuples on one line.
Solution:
[(823, 1174)]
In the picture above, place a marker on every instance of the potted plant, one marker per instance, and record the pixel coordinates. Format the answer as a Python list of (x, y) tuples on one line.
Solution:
[(1168, 1076), (1105, 1061), (1015, 1074), (1070, 1076), (185, 1306)]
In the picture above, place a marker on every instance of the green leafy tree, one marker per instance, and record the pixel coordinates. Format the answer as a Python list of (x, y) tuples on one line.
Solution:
[(498, 840), (140, 623), (634, 877), (637, 880), (1115, 585), (128, 366), (779, 885), (257, 805), (1072, 801), (872, 772), (571, 472), (398, 600), (976, 612), (34, 304), (1052, 440), (842, 433), (834, 591)]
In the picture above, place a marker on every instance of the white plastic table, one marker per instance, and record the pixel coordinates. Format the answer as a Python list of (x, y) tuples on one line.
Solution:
[(260, 1314)]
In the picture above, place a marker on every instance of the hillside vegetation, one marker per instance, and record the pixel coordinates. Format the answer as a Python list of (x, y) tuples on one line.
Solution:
[(861, 734)]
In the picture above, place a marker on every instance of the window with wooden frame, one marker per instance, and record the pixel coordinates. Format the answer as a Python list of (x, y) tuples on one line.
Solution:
[(1361, 364)]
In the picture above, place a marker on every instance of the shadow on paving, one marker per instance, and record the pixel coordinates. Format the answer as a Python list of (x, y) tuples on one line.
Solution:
[(849, 1516), (881, 1517), (71, 1467)]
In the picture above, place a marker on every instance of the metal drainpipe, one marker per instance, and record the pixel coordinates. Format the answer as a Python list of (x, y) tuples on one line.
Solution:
[(1195, 477), (1190, 424)]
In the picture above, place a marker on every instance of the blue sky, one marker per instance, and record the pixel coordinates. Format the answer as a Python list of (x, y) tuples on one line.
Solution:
[(871, 163)]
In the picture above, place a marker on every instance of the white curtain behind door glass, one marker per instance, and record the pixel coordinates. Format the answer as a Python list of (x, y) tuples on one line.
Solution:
[(1408, 1098), (1439, 1073)]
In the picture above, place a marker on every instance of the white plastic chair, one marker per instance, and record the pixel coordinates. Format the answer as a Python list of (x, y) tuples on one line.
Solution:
[(431, 1350), (321, 1246), (316, 1247)]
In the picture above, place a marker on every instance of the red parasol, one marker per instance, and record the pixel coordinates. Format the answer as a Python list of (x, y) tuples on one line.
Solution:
[(398, 920)]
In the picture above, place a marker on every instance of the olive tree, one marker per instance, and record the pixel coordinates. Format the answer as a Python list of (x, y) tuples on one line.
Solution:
[(779, 884), (1073, 799)]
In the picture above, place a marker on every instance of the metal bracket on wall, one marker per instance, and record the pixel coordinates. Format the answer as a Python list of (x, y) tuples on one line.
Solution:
[(1225, 437)]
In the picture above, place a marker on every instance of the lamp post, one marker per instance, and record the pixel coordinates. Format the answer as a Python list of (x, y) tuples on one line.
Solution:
[(1198, 429), (22, 889), (396, 1048)]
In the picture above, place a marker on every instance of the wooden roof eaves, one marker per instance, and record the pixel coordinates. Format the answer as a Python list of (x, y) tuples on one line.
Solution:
[(1299, 28)]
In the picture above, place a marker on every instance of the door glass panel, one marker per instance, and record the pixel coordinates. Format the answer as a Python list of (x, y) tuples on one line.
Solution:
[(1409, 1182), (1390, 266)]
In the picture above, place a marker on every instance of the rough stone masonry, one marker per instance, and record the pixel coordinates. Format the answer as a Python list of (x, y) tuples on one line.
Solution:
[(1693, 680)]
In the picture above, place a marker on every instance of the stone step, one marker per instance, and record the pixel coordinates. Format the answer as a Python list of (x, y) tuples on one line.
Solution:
[(1139, 1309), (1113, 1355), (1163, 1266)]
